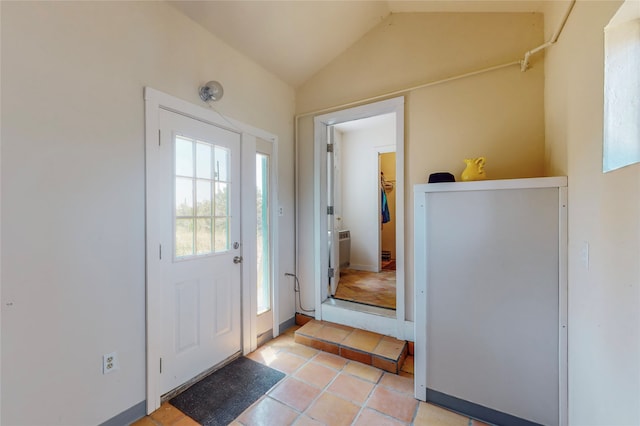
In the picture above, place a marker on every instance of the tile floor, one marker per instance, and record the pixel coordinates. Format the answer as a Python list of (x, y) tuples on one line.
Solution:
[(324, 389)]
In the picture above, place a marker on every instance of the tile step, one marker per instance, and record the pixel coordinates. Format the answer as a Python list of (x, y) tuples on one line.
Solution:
[(370, 348)]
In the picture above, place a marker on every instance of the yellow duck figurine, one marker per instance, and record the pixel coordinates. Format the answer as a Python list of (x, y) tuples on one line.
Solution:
[(474, 169)]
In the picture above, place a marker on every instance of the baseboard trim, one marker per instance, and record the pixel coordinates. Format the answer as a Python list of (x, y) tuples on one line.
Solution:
[(265, 337), (284, 326), (476, 411), (128, 416), (367, 268)]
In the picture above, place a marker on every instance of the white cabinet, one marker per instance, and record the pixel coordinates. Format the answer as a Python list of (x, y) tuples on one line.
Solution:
[(491, 298)]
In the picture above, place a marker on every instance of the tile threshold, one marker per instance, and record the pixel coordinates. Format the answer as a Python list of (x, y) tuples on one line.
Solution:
[(369, 348)]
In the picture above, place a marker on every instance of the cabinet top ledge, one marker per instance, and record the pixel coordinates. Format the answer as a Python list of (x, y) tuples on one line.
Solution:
[(488, 185)]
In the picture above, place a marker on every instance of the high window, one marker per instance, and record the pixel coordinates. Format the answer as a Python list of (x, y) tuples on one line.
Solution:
[(622, 88)]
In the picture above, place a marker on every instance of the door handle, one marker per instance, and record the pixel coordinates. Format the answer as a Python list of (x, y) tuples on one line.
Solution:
[(237, 259)]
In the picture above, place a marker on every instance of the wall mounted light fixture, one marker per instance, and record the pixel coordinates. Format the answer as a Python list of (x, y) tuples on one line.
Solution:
[(212, 91)]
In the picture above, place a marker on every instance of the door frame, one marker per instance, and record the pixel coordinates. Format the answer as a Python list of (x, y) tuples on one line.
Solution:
[(248, 229), (156, 100), (343, 313), (273, 229)]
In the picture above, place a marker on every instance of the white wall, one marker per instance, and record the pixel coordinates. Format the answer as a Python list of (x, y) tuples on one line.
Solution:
[(604, 212), (361, 189), (499, 115), (73, 241)]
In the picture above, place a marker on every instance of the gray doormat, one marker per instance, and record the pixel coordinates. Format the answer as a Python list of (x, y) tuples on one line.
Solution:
[(224, 394)]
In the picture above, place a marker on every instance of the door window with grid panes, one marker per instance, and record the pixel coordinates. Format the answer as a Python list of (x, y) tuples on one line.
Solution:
[(201, 198)]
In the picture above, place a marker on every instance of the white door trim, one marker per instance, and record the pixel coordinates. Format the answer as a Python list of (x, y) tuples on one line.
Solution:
[(154, 101), (249, 274), (321, 122), (270, 148)]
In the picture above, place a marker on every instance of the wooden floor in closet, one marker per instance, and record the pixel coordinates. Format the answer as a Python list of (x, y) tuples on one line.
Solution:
[(369, 288)]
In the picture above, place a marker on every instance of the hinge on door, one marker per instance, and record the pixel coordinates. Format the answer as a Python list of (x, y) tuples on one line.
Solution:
[(160, 365), (330, 210), (159, 137), (160, 250), (332, 272), (329, 147)]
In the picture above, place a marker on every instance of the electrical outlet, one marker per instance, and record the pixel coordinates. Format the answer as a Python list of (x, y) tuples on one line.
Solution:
[(110, 363), (281, 211)]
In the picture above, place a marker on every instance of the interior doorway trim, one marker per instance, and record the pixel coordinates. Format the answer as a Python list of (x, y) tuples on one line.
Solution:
[(345, 313), (155, 101)]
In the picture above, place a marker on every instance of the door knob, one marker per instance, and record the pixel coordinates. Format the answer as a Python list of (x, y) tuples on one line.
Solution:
[(237, 259)]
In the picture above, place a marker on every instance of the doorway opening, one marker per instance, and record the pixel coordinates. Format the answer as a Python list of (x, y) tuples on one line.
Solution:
[(356, 284), (361, 177)]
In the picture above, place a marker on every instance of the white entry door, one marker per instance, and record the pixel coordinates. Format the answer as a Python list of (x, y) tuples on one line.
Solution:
[(198, 225)]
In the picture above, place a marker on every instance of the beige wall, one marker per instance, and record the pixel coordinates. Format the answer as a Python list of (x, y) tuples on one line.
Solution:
[(73, 219), (604, 212), (499, 114)]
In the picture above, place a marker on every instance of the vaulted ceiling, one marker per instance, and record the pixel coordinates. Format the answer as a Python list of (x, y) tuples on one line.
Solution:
[(294, 39)]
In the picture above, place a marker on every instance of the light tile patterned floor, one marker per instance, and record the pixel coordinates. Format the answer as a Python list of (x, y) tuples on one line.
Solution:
[(324, 389)]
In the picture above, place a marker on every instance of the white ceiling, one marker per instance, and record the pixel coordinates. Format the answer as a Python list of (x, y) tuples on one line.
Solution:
[(294, 39)]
